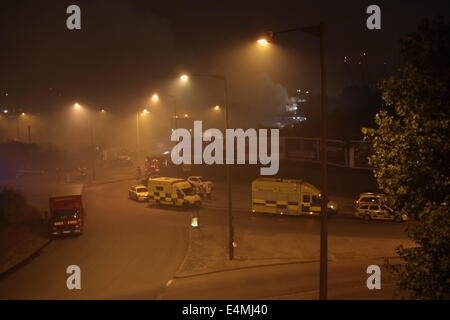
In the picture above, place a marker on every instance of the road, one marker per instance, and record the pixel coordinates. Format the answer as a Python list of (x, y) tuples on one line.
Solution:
[(128, 251), (133, 250), (299, 281)]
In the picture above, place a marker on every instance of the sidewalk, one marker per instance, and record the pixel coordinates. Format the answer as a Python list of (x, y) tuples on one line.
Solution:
[(209, 252)]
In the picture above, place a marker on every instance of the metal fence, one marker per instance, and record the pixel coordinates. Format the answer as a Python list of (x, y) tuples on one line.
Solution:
[(348, 154)]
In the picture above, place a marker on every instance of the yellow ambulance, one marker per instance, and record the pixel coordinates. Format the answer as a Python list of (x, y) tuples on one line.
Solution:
[(172, 191), (287, 196)]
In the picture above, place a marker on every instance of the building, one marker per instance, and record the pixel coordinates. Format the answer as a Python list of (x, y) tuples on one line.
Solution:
[(291, 113)]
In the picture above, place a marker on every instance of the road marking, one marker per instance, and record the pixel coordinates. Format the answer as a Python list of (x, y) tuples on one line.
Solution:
[(169, 283)]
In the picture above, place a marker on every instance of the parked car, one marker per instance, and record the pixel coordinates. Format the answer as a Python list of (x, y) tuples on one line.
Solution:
[(200, 180), (138, 193), (368, 198), (379, 212)]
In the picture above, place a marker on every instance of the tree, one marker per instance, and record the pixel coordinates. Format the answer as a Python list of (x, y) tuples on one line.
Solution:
[(411, 156)]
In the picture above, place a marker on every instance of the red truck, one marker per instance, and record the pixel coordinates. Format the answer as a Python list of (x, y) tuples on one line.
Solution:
[(67, 213)]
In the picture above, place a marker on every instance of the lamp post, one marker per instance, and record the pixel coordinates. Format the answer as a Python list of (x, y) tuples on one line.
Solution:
[(155, 98), (78, 107), (138, 135), (318, 31), (138, 142), (223, 78)]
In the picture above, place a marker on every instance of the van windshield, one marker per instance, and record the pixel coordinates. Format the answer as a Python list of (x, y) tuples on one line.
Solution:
[(316, 199), (188, 191)]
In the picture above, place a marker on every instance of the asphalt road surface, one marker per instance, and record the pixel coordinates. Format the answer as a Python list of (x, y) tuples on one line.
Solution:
[(299, 281), (127, 251), (132, 251)]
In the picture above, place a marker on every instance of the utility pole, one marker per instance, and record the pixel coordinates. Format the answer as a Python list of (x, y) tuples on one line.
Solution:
[(231, 242), (324, 174), (93, 152), (137, 134), (318, 31), (230, 206)]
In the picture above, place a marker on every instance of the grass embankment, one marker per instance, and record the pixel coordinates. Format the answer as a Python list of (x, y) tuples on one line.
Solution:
[(22, 230)]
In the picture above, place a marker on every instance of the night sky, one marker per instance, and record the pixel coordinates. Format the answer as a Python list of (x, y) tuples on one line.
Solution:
[(128, 49)]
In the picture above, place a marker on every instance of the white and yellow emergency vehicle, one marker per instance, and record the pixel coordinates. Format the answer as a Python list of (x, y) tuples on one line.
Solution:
[(172, 191), (286, 196)]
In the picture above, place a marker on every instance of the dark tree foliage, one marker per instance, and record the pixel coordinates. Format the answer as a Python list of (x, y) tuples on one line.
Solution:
[(411, 156)]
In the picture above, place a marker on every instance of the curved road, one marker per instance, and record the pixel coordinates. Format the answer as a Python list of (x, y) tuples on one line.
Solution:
[(128, 251), (132, 250)]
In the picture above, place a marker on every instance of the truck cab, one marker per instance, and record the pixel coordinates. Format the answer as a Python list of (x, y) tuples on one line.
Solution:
[(67, 213)]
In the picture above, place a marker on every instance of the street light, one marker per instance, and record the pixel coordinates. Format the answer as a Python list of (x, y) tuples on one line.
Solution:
[(217, 108), (318, 31), (78, 107), (231, 243), (263, 42), (138, 139), (155, 98)]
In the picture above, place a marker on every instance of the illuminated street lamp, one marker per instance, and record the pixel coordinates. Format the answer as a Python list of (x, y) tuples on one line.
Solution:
[(217, 108), (138, 135), (79, 107), (155, 98), (263, 42), (265, 39), (184, 77), (318, 31), (5, 111)]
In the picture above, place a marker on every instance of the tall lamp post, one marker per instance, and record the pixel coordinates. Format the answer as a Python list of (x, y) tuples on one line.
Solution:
[(79, 108), (318, 31), (138, 135), (223, 78), (155, 98)]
